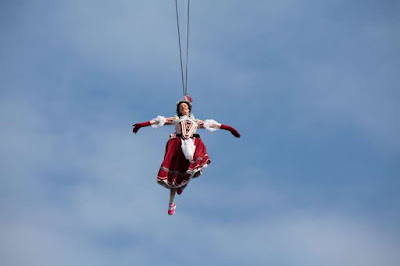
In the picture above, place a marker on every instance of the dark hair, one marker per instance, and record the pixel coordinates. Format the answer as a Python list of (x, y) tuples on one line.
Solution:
[(177, 107)]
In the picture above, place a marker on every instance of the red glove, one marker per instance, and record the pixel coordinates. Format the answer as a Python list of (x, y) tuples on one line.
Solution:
[(231, 129), (139, 125)]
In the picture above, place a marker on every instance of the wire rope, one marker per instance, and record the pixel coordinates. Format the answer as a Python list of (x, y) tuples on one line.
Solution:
[(184, 74), (187, 46), (179, 42)]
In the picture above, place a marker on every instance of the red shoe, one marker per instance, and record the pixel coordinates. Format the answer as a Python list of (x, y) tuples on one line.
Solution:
[(171, 209), (180, 190)]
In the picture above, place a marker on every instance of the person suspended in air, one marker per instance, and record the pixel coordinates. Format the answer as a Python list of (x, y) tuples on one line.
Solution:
[(185, 154)]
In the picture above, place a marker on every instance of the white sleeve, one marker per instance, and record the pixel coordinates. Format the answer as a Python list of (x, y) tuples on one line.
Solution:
[(211, 125), (160, 121), (175, 121)]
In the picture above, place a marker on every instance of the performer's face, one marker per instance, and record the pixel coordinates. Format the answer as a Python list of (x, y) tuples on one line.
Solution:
[(184, 109)]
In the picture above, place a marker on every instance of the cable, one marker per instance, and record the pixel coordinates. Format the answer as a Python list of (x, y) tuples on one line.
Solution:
[(187, 46), (187, 14), (179, 41)]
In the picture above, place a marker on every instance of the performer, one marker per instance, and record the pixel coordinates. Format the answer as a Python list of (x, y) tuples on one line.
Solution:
[(185, 154)]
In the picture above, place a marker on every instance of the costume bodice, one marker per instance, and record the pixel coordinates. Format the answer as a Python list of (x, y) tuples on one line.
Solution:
[(185, 126)]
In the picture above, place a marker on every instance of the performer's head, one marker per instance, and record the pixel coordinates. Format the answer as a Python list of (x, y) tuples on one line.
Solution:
[(184, 106)]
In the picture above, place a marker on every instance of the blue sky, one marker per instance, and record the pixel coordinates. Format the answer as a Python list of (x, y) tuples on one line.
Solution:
[(311, 85)]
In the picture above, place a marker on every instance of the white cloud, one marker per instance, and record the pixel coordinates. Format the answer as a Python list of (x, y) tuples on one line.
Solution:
[(116, 195), (77, 186)]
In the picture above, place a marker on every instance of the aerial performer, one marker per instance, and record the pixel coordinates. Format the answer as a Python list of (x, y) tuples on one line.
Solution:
[(185, 154)]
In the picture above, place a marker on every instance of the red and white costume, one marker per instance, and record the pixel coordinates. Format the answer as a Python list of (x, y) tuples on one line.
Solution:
[(185, 153)]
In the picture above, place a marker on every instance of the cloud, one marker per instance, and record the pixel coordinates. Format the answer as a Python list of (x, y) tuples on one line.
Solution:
[(77, 187), (114, 211), (304, 239), (307, 240)]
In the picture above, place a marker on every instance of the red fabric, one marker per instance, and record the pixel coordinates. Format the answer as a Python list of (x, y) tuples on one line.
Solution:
[(187, 98), (231, 129), (176, 171), (137, 126)]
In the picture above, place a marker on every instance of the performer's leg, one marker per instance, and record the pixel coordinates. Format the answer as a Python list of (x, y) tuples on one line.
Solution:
[(172, 206), (172, 193)]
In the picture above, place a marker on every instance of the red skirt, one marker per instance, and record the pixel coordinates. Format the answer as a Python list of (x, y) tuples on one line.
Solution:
[(176, 171)]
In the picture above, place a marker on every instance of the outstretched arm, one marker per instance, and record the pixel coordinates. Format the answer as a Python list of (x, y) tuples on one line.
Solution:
[(138, 126), (159, 121), (213, 125), (231, 129)]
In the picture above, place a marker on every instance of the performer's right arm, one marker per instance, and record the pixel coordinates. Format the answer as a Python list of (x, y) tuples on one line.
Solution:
[(170, 120), (159, 121)]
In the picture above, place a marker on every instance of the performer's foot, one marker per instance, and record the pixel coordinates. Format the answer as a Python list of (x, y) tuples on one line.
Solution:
[(197, 174), (171, 209), (180, 190)]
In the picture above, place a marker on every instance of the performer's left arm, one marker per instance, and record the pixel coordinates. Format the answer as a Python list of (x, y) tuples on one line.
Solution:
[(213, 125), (200, 123)]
